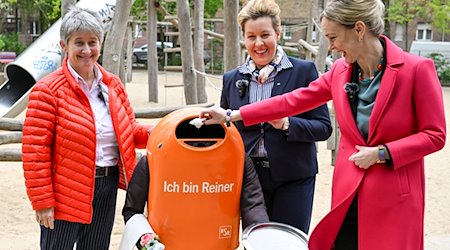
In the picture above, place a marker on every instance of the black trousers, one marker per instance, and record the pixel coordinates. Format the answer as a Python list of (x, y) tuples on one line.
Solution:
[(96, 235), (347, 238)]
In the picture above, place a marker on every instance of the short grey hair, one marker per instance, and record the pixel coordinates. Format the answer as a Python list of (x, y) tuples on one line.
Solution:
[(348, 12), (81, 20)]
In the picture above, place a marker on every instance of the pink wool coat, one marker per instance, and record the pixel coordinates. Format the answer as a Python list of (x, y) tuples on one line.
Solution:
[(408, 117)]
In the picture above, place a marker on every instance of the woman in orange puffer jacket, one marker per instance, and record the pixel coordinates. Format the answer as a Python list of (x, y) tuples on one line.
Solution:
[(79, 142)]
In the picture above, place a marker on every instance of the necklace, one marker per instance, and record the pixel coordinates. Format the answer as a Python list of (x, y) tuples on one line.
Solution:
[(377, 71)]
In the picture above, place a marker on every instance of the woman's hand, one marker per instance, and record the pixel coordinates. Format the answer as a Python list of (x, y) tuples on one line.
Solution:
[(278, 124), (46, 217), (213, 115), (365, 157)]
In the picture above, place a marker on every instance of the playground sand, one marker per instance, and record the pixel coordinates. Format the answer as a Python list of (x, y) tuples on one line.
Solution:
[(19, 229)]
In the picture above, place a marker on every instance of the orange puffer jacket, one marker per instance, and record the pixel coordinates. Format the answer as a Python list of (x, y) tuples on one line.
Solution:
[(59, 140)]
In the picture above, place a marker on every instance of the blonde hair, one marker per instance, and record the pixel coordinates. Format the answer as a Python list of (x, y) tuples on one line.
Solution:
[(255, 9), (348, 12)]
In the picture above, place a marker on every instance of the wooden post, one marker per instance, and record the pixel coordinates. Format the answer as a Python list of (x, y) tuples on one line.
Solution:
[(129, 52), (333, 140), (11, 155), (231, 43), (199, 41), (187, 56), (10, 137), (152, 55), (11, 124), (114, 38)]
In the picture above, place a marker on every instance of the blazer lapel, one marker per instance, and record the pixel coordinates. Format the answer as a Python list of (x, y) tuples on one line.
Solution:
[(395, 57), (342, 104), (280, 82), (383, 95)]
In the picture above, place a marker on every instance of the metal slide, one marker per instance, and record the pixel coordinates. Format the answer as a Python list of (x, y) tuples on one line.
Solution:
[(41, 58)]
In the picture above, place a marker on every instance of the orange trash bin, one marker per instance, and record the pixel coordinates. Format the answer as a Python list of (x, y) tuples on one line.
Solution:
[(195, 183)]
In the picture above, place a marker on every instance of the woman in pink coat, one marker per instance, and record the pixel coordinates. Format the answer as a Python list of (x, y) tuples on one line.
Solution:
[(390, 112)]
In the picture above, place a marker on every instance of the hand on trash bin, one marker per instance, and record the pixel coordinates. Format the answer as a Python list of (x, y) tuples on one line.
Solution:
[(197, 122), (213, 115)]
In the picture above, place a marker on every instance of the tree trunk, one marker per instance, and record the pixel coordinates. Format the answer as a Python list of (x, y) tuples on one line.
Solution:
[(322, 53), (65, 5), (152, 56), (406, 37), (199, 41), (232, 48), (129, 52), (187, 58), (387, 26), (114, 38), (309, 30)]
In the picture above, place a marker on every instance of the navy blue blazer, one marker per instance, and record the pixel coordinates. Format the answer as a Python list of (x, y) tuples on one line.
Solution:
[(292, 155)]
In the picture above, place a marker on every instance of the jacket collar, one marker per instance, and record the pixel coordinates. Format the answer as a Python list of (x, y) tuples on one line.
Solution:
[(106, 77)]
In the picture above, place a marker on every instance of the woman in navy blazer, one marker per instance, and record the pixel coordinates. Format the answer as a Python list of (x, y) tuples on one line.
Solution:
[(284, 150)]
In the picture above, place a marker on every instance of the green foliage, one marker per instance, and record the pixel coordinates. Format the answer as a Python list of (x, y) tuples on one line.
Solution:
[(139, 8), (174, 59), (55, 13), (404, 11), (10, 42), (3, 5), (49, 9), (442, 65), (439, 12), (211, 7)]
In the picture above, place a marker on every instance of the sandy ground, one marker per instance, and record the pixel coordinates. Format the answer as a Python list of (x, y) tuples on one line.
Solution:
[(19, 229)]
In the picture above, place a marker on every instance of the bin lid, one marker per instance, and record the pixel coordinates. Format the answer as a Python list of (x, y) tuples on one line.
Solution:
[(273, 235)]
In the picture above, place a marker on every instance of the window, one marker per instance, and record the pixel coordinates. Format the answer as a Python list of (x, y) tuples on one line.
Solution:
[(138, 31), (33, 28), (314, 34), (287, 33), (424, 32), (398, 32)]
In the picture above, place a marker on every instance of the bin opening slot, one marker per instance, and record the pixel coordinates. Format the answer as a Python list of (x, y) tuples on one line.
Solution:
[(204, 136), (201, 143)]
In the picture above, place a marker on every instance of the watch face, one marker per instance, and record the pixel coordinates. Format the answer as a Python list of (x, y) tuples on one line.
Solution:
[(381, 154)]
